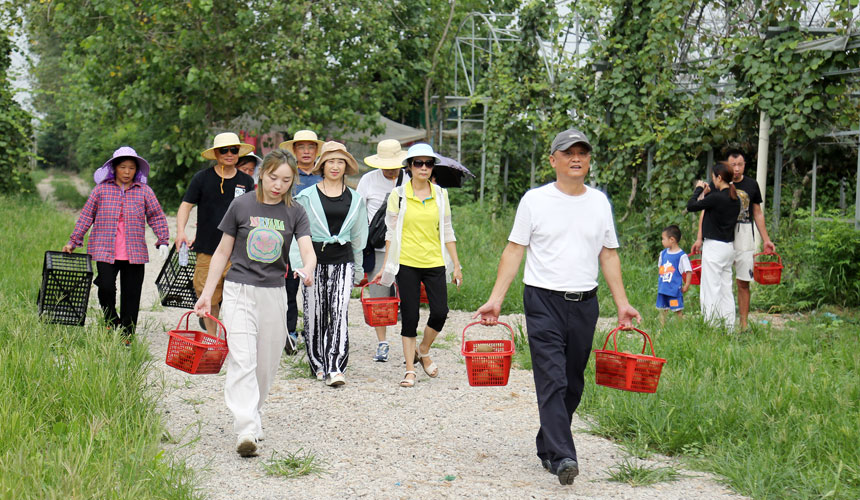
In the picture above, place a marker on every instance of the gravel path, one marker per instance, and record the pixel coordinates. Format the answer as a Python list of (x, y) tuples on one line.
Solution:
[(441, 438)]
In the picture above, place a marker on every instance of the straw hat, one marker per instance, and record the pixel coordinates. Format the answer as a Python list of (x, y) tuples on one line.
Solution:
[(332, 149), (389, 155), (224, 140), (420, 149), (106, 172), (302, 135)]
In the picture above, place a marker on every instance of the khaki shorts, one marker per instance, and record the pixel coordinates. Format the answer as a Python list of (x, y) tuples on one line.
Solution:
[(744, 245), (201, 271)]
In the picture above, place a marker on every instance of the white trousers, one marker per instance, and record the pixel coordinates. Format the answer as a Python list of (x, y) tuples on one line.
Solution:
[(256, 335), (718, 303)]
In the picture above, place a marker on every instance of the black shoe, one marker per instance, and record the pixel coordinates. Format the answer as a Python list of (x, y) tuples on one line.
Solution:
[(546, 464), (567, 470)]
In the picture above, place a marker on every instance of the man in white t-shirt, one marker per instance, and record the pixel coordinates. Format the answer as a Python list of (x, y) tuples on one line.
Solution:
[(567, 228), (374, 186)]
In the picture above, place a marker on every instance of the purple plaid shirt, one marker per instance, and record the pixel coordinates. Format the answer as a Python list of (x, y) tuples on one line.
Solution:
[(138, 205)]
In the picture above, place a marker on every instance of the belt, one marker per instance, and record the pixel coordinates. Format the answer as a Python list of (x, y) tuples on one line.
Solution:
[(575, 296)]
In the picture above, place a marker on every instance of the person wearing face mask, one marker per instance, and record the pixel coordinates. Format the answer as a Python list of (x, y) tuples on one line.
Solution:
[(212, 190), (338, 221), (118, 210)]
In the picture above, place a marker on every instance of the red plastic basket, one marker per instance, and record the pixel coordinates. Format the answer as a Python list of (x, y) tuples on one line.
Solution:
[(380, 311), (488, 362), (423, 298), (625, 371), (767, 272), (196, 352), (696, 264)]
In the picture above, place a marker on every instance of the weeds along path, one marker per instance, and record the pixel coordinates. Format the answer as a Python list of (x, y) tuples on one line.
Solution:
[(373, 439)]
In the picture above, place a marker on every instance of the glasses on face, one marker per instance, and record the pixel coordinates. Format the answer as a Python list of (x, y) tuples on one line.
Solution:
[(424, 163), (231, 149)]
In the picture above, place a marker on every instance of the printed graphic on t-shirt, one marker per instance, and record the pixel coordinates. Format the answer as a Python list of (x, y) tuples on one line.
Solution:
[(744, 214), (238, 191), (265, 241), (667, 270)]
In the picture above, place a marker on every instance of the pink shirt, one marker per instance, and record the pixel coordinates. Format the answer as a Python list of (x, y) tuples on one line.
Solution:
[(120, 252)]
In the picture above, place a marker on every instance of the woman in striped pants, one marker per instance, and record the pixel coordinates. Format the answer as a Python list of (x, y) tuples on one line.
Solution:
[(338, 220)]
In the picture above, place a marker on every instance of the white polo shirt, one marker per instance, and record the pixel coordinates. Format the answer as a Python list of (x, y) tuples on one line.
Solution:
[(564, 235)]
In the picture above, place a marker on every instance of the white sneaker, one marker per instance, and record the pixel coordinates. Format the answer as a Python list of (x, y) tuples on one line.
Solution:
[(336, 380), (246, 446)]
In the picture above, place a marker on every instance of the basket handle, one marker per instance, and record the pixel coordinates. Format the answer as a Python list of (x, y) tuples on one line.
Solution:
[(376, 282), (187, 317), (463, 342), (778, 257), (692, 254), (646, 342)]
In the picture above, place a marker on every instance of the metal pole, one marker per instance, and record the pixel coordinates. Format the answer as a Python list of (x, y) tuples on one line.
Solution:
[(857, 190), (814, 188), (483, 152), (777, 184), (710, 164), (505, 189), (649, 166), (534, 150), (761, 162), (459, 132)]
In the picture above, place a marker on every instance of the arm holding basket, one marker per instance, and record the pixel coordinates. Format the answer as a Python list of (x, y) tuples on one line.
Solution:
[(509, 264), (216, 268)]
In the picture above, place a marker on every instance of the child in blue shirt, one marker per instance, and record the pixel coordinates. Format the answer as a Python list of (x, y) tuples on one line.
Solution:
[(675, 273)]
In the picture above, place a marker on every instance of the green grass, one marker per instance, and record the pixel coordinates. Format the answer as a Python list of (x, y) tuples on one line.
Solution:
[(79, 417), (39, 175), (774, 411), (66, 193), (641, 475), (294, 464)]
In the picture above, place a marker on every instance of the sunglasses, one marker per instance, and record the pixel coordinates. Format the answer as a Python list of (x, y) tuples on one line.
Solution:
[(232, 149), (424, 163)]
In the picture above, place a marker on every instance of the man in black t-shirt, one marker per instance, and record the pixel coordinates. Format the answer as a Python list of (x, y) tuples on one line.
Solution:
[(744, 243), (212, 190)]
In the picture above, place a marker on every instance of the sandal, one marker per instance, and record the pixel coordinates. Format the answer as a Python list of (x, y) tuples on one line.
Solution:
[(432, 371), (408, 382)]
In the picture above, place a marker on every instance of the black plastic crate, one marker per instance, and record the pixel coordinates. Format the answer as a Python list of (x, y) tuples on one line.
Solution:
[(65, 291), (175, 283)]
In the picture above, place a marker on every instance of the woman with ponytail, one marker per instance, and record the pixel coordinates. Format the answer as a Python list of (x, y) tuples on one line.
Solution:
[(721, 208)]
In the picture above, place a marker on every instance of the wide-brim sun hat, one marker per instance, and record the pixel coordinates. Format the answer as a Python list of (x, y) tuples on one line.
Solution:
[(302, 136), (332, 149), (106, 172), (420, 149), (389, 155), (224, 140)]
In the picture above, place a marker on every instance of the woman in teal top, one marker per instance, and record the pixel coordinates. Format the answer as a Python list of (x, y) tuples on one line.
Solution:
[(338, 220)]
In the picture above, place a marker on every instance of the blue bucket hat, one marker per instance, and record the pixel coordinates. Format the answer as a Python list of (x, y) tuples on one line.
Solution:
[(420, 149)]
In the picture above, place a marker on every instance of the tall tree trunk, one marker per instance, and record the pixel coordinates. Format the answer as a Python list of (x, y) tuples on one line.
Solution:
[(428, 81)]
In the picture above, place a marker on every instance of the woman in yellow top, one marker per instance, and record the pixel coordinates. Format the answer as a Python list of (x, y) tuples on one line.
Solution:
[(420, 247)]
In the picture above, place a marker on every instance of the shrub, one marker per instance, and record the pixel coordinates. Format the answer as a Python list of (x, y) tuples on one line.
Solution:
[(821, 267)]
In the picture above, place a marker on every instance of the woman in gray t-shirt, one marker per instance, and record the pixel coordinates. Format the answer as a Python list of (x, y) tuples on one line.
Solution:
[(257, 231)]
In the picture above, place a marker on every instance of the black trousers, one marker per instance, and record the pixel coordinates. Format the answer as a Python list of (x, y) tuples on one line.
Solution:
[(130, 283), (292, 305), (560, 336), (409, 281)]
